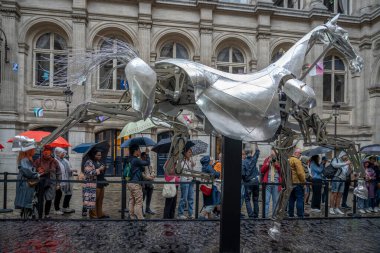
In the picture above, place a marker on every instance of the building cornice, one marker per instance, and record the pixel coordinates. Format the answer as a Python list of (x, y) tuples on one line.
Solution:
[(10, 9)]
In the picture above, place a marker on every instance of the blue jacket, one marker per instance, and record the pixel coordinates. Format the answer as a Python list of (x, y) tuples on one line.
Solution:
[(316, 171), (138, 167), (250, 170), (207, 168)]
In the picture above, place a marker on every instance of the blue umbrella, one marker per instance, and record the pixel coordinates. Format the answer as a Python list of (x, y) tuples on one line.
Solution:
[(141, 141), (82, 148), (316, 151), (373, 149)]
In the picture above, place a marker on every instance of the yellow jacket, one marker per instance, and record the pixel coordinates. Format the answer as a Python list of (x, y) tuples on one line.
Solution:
[(298, 173)]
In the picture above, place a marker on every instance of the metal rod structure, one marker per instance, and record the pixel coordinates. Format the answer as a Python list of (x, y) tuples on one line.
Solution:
[(123, 197), (263, 197), (326, 190), (230, 213), (196, 199), (5, 195)]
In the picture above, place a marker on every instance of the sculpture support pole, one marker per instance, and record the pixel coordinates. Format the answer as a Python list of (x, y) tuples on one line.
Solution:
[(230, 213)]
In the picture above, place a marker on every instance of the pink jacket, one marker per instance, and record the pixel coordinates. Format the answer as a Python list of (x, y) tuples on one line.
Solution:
[(170, 178)]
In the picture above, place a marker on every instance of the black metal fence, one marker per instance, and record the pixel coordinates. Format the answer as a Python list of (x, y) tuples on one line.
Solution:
[(123, 183)]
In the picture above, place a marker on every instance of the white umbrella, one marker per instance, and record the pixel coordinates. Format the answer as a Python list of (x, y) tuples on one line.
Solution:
[(139, 126)]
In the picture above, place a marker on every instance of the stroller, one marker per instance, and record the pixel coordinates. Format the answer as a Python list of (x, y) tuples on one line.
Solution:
[(31, 213)]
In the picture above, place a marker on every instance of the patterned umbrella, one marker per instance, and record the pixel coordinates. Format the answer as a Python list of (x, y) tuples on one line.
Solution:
[(199, 147)]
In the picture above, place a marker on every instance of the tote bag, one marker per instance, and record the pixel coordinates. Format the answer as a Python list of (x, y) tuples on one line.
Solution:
[(169, 190)]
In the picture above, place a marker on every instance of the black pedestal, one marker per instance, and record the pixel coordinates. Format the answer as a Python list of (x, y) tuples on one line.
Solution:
[(230, 213)]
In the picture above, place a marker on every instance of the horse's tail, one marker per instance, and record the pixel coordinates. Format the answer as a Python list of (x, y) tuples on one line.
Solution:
[(76, 66)]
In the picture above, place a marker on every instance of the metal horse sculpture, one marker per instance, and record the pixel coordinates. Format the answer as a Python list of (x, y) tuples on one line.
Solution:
[(251, 107)]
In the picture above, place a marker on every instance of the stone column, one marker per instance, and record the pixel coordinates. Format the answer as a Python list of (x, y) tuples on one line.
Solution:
[(374, 94), (263, 40), (10, 99), (145, 26), (366, 53), (206, 30)]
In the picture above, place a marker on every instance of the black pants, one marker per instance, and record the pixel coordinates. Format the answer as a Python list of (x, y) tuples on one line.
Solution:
[(57, 200), (252, 192), (317, 192), (41, 201), (170, 205), (147, 194), (345, 192)]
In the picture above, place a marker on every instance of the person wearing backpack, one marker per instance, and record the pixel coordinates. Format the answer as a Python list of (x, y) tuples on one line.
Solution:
[(137, 167), (342, 164)]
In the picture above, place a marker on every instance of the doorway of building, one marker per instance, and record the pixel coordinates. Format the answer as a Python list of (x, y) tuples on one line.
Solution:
[(115, 154)]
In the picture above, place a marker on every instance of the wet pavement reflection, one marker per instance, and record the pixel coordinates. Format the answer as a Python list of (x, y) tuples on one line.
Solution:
[(313, 235)]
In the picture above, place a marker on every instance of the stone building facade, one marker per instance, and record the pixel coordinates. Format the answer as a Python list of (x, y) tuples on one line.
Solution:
[(238, 36)]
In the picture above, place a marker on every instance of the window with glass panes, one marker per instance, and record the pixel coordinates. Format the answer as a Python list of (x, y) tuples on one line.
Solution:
[(50, 58), (280, 51), (338, 6), (231, 59), (334, 77), (111, 74), (174, 50)]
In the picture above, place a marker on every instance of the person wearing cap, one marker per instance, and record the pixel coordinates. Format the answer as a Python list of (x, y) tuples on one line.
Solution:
[(337, 187), (50, 173), (298, 177), (66, 187)]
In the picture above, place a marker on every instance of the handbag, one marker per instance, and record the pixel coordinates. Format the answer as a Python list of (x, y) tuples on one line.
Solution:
[(206, 190), (32, 182), (169, 190)]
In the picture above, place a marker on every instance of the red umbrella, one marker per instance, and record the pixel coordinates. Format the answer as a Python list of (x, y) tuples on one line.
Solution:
[(38, 135), (1, 146)]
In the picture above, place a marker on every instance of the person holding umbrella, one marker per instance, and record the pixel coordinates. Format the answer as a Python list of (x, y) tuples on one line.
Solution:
[(92, 194), (137, 170)]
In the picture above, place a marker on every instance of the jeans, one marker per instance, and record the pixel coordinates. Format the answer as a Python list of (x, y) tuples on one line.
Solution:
[(317, 189), (252, 190), (362, 203), (242, 194), (271, 190), (187, 196), (297, 195), (147, 194)]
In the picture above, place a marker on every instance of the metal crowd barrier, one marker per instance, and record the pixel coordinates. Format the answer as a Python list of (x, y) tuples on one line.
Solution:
[(123, 182)]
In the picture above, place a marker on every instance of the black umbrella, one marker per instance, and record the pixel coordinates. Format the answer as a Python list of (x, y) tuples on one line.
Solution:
[(316, 151), (102, 146), (197, 146), (141, 141), (373, 149)]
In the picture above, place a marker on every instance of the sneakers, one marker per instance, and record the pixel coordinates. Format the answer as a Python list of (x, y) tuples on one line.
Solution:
[(376, 209), (47, 217), (369, 210), (148, 211), (338, 211), (361, 211), (68, 210), (332, 211), (58, 212), (182, 217), (314, 210), (346, 207)]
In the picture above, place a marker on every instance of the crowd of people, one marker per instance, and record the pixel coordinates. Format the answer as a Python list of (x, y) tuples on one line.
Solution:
[(52, 172)]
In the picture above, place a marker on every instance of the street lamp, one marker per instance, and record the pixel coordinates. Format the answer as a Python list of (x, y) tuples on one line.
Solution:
[(68, 98), (335, 108)]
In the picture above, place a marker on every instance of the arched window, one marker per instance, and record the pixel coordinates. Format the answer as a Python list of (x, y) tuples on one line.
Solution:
[(174, 50), (49, 60), (288, 3), (116, 153), (279, 51), (111, 74), (231, 60), (338, 6), (334, 79)]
